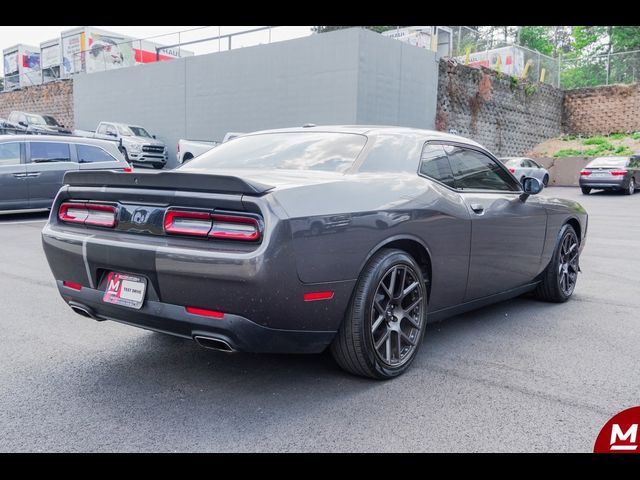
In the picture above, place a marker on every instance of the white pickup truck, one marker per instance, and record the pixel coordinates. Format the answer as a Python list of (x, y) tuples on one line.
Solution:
[(190, 149), (135, 143)]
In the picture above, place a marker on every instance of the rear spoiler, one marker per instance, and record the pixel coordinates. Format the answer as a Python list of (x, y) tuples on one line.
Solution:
[(194, 182)]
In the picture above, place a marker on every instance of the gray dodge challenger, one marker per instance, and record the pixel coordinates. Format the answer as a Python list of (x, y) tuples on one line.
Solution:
[(295, 240)]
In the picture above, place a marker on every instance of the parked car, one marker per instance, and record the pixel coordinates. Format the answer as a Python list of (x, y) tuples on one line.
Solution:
[(32, 167), (136, 144), (190, 149), (222, 249), (522, 167), (35, 123), (611, 173)]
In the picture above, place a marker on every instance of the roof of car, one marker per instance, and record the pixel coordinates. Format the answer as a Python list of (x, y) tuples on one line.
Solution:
[(374, 130), (514, 158), (57, 138)]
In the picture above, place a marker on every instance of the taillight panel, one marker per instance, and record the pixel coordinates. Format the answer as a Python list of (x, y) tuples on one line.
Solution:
[(219, 225), (93, 214)]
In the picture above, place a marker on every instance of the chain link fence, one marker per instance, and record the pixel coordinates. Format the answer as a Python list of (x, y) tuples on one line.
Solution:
[(595, 70)]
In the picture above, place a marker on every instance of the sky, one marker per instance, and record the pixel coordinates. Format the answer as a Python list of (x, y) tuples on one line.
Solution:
[(31, 35)]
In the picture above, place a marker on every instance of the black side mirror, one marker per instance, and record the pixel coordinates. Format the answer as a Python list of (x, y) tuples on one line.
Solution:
[(530, 186), (153, 136), (23, 124), (112, 134)]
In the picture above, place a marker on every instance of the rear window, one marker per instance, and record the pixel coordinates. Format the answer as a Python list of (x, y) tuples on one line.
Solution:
[(332, 152), (608, 162), (514, 162)]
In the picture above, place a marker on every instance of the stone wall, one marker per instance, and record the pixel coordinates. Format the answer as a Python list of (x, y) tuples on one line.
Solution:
[(55, 99), (507, 116), (602, 110)]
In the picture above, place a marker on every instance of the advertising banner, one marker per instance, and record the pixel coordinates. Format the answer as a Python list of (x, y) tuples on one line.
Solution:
[(73, 47), (11, 63), (107, 52), (50, 56)]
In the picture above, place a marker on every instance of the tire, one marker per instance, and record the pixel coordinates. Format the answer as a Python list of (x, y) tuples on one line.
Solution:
[(186, 158), (158, 166), (124, 154), (545, 181), (586, 190), (630, 190), (563, 264), (354, 348)]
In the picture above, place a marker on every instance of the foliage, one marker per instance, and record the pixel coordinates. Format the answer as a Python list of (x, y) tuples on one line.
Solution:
[(568, 152), (530, 89), (567, 138), (600, 146), (636, 136), (618, 136), (595, 141)]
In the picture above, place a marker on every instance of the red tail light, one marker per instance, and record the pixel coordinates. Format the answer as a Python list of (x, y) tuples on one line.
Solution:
[(127, 169), (204, 313), (233, 227), (178, 222), (585, 173), (512, 170), (618, 173), (73, 286), (178, 147), (310, 297), (204, 224), (88, 214)]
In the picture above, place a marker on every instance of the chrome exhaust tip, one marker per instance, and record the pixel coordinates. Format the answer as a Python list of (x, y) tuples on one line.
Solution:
[(84, 311), (213, 343)]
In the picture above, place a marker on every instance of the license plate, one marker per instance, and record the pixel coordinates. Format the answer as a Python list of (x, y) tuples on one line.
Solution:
[(600, 174), (125, 290)]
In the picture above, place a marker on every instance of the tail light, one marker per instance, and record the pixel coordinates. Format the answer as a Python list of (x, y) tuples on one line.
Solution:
[(512, 170), (88, 214), (217, 225), (204, 313), (178, 147), (585, 173), (618, 173), (127, 169)]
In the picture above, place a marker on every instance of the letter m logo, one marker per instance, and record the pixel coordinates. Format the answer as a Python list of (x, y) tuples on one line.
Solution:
[(630, 436)]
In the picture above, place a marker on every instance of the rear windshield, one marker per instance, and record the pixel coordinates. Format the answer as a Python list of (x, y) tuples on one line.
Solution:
[(513, 162), (332, 152), (608, 162)]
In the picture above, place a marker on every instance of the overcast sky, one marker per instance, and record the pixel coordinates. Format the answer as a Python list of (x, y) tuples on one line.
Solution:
[(30, 35)]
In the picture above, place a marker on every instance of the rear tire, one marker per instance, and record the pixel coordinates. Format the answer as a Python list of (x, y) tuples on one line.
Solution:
[(560, 277), (186, 158), (586, 190), (385, 323), (630, 190), (545, 181)]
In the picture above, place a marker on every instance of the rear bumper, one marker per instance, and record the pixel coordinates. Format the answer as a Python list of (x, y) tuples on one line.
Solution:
[(604, 182), (239, 332)]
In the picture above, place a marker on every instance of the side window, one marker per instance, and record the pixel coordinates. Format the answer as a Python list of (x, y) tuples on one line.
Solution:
[(42, 152), (91, 154), (393, 153), (475, 170), (9, 153), (534, 164), (110, 130), (13, 117), (435, 164), (22, 118), (102, 129)]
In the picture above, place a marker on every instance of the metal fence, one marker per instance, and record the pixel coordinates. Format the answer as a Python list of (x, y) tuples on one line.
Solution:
[(605, 69)]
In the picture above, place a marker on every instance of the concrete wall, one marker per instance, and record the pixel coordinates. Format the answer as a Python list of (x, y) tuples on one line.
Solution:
[(602, 110), (565, 171), (343, 77), (54, 99), (506, 117)]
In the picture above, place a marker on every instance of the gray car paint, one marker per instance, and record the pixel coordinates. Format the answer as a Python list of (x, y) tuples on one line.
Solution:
[(474, 258), (38, 183)]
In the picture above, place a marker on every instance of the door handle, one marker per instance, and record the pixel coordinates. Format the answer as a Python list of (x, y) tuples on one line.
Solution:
[(477, 208), (37, 174), (20, 175)]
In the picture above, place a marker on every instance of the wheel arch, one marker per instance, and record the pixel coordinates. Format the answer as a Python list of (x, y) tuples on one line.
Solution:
[(412, 245), (573, 221)]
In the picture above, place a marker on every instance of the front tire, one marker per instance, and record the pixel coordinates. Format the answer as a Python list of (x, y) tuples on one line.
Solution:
[(385, 323), (545, 181), (586, 190), (158, 166), (560, 277)]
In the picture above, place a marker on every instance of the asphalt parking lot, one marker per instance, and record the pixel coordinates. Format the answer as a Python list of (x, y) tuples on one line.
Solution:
[(518, 376)]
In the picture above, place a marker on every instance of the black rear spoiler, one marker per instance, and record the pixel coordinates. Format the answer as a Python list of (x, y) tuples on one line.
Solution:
[(194, 182)]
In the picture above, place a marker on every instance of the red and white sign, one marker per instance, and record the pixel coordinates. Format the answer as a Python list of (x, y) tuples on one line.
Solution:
[(620, 434), (125, 290)]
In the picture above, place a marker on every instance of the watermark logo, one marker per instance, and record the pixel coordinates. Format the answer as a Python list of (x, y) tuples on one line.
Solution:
[(620, 434)]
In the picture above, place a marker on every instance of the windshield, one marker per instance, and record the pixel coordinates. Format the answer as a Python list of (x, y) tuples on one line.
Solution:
[(139, 132), (35, 120), (608, 162), (332, 152)]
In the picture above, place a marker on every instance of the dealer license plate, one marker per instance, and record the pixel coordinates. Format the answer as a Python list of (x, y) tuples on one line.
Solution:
[(125, 290)]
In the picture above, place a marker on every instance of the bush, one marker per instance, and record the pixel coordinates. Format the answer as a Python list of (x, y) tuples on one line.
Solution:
[(618, 136), (568, 152), (595, 141)]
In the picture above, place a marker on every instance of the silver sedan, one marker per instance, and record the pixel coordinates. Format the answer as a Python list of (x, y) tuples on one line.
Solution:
[(525, 167)]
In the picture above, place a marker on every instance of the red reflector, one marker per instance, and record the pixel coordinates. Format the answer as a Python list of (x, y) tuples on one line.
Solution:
[(232, 227), (310, 297), (127, 169), (512, 170), (74, 286), (618, 173), (203, 312), (585, 173), (180, 222)]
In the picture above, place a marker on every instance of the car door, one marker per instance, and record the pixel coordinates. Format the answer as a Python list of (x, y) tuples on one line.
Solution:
[(47, 162), (13, 176), (507, 232), (92, 157)]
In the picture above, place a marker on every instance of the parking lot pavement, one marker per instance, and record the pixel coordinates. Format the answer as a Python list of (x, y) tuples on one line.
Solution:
[(518, 376)]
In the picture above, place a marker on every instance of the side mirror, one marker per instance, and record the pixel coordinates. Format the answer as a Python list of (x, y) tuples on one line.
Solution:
[(153, 136), (23, 124), (530, 186), (112, 134)]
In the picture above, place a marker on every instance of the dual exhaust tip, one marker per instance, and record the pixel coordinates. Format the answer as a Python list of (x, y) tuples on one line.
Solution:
[(212, 343)]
